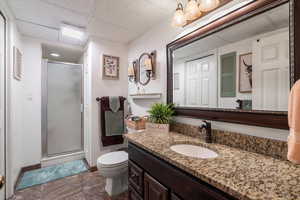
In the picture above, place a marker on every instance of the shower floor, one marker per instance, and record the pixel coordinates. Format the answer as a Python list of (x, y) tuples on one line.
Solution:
[(51, 173)]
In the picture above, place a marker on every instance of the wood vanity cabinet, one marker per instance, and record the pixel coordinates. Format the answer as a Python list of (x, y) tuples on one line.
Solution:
[(153, 190), (133, 195), (151, 178), (136, 177)]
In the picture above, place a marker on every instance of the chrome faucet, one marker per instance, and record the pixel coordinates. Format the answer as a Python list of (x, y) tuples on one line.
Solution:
[(205, 129)]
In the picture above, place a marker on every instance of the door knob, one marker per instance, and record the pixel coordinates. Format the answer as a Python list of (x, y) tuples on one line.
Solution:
[(2, 181)]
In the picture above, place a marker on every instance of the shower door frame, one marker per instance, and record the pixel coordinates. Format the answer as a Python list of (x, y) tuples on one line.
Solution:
[(45, 113)]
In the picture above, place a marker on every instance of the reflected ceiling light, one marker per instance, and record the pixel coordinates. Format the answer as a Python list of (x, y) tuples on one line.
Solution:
[(192, 10), (208, 5), (72, 32), (179, 18), (54, 55)]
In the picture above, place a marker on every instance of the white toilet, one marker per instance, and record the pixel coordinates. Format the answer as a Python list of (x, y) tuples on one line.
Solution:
[(114, 167)]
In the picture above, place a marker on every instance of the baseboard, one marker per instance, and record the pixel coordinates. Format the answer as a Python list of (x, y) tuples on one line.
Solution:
[(23, 170), (31, 167), (93, 169)]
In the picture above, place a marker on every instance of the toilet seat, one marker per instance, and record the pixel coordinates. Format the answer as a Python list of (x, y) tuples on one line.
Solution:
[(113, 159)]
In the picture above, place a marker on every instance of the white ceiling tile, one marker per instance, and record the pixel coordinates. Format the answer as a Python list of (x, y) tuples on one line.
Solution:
[(42, 13), (38, 31), (167, 5), (79, 6), (110, 32)]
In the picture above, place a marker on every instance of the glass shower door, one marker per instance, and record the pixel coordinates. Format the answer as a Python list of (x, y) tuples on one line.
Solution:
[(64, 108)]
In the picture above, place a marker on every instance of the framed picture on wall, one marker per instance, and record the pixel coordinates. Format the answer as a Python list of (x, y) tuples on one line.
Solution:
[(17, 64), (110, 67), (245, 75)]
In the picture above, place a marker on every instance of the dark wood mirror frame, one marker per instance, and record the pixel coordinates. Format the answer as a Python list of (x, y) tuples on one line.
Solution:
[(257, 118)]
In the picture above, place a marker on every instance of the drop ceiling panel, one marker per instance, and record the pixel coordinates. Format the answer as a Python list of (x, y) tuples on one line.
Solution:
[(43, 13), (133, 16), (168, 5), (200, 47), (110, 32), (38, 31), (79, 6)]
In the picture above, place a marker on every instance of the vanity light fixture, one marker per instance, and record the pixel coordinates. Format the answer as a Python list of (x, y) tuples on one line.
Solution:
[(208, 5), (192, 11), (179, 18)]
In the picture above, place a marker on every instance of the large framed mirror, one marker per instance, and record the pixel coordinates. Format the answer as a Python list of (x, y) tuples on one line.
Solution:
[(240, 67)]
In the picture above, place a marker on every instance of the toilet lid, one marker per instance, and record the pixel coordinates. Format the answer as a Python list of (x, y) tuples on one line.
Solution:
[(113, 158)]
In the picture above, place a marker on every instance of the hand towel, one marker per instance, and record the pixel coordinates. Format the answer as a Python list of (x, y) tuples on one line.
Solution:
[(294, 124), (114, 123), (114, 103)]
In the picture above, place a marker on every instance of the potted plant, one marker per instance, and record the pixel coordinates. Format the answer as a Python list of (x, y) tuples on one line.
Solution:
[(160, 117)]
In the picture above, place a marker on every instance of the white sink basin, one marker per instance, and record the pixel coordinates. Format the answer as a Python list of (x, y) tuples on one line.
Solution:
[(193, 151)]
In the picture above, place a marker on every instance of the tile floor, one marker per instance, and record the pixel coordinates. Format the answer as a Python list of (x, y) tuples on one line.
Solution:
[(85, 186)]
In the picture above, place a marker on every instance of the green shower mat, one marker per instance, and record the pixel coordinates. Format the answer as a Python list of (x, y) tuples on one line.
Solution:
[(51, 173)]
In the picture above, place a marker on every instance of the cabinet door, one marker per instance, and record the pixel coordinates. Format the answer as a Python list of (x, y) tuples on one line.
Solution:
[(135, 176), (174, 197), (153, 190), (133, 195)]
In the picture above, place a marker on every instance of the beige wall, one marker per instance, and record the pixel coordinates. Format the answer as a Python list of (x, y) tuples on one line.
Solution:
[(98, 88)]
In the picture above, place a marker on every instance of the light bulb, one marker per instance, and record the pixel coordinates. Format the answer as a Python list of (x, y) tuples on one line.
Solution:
[(179, 19), (208, 5), (192, 10)]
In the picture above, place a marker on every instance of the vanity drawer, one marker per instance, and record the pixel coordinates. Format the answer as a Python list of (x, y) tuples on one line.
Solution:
[(133, 195), (136, 177)]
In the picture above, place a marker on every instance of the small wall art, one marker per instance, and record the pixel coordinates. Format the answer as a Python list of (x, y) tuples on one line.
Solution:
[(111, 67)]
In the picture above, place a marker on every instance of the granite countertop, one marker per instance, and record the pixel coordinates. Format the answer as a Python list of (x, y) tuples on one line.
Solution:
[(242, 174)]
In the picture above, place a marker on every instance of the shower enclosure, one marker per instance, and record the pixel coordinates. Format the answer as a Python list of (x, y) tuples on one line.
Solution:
[(61, 108)]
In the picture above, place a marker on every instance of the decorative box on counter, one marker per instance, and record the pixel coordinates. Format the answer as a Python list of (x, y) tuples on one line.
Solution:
[(136, 123)]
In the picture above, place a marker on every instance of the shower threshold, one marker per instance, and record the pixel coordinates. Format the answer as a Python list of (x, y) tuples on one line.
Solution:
[(53, 160)]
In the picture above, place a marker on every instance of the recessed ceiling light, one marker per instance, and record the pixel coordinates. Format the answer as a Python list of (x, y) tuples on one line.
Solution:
[(54, 55)]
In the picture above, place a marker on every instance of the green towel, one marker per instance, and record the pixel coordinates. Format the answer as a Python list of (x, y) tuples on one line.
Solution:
[(114, 123), (114, 103)]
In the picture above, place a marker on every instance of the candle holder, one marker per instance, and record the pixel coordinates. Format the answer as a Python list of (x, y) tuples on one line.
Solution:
[(147, 65), (132, 73)]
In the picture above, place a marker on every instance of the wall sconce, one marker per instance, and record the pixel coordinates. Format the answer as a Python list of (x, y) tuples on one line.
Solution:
[(147, 65), (132, 72)]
